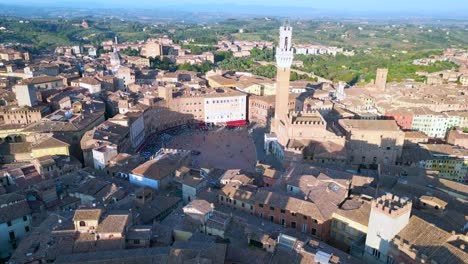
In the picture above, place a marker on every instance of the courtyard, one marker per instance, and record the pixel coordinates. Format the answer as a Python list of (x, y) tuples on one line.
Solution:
[(223, 148), (220, 147)]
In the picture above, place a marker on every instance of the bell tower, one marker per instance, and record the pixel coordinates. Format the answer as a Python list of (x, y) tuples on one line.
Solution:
[(284, 58)]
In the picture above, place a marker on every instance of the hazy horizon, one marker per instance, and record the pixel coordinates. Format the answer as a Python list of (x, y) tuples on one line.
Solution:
[(415, 6)]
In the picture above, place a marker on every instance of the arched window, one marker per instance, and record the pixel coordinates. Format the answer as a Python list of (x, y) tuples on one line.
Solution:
[(82, 223), (286, 43)]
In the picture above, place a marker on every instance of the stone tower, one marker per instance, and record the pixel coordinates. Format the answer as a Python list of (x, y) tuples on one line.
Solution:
[(389, 215), (381, 78), (284, 58), (340, 93), (165, 92)]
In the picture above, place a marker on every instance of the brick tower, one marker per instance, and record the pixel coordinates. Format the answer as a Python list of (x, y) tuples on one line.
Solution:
[(284, 58), (381, 78)]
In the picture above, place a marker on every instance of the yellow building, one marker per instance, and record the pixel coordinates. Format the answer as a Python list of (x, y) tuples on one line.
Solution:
[(450, 161), (350, 222), (260, 89), (151, 49), (50, 147)]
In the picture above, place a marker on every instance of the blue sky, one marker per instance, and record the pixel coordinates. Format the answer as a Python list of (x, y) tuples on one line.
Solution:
[(340, 5)]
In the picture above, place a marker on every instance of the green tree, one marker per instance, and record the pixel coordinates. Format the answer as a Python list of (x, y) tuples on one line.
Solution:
[(222, 55), (130, 52)]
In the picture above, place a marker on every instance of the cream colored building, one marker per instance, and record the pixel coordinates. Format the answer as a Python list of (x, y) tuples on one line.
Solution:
[(86, 220), (223, 108), (218, 106), (138, 61), (429, 122), (151, 49)]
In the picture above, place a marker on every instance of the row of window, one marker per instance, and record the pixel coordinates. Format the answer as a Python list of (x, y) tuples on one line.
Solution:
[(199, 103), (228, 200), (224, 101), (363, 160), (190, 111), (283, 211), (444, 161), (261, 106), (222, 117), (293, 224), (449, 171), (15, 117)]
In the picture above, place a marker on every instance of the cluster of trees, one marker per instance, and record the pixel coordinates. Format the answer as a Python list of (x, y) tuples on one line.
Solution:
[(262, 54), (362, 67), (222, 55), (203, 68), (236, 64), (165, 64), (169, 65), (268, 71), (296, 77), (248, 64), (198, 34), (130, 52)]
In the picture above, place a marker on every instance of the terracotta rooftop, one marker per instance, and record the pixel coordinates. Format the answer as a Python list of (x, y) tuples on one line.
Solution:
[(50, 143), (235, 175), (87, 214), (369, 125), (113, 223), (90, 80), (426, 239), (142, 255), (40, 79), (415, 134), (13, 206), (289, 203), (272, 173), (158, 169), (445, 149), (192, 181), (356, 210), (201, 206), (235, 193)]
